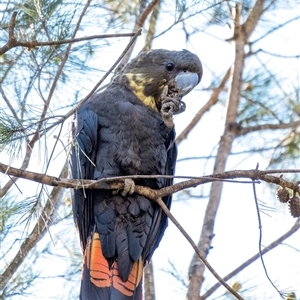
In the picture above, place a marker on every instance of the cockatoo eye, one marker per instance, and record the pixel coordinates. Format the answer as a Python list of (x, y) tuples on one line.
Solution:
[(170, 66)]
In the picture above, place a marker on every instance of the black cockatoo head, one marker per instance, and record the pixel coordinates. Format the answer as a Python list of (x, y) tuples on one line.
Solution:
[(150, 72)]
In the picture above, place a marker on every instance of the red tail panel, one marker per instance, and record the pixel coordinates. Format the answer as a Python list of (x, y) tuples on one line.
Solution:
[(99, 270), (127, 288), (99, 282)]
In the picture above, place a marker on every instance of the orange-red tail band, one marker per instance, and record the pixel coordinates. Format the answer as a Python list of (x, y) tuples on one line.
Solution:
[(103, 277)]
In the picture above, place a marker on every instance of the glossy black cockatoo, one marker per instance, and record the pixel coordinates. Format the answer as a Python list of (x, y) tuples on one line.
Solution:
[(127, 130)]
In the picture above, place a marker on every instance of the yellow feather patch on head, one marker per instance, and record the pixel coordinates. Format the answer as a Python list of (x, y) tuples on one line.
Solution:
[(137, 83)]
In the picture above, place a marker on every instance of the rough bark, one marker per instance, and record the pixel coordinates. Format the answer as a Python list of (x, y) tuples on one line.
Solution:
[(149, 290)]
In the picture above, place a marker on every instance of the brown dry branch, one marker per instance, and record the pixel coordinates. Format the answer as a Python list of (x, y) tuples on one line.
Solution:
[(254, 15), (252, 259), (36, 234), (244, 131), (45, 218), (206, 107), (13, 42), (118, 182), (152, 24), (142, 18), (154, 195)]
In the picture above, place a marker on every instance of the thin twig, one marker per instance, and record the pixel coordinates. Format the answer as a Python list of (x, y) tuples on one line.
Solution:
[(7, 102), (243, 131), (276, 54), (36, 44), (260, 239), (267, 249), (274, 29)]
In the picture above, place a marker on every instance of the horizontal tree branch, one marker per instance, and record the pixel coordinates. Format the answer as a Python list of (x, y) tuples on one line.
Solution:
[(117, 182), (276, 54), (274, 29), (244, 131), (13, 42), (41, 226)]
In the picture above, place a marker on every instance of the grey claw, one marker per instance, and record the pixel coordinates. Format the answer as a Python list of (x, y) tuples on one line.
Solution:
[(129, 186)]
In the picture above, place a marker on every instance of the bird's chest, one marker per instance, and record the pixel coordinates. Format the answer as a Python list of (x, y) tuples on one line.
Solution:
[(134, 142)]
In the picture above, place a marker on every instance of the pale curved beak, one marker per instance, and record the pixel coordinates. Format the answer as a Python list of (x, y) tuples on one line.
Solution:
[(185, 82)]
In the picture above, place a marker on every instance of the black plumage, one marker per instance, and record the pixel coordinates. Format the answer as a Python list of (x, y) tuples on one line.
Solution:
[(123, 131)]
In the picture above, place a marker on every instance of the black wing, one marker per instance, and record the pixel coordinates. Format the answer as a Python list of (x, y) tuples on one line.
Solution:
[(160, 220), (82, 157)]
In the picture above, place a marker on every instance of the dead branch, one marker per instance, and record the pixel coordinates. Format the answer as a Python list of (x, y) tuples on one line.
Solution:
[(154, 195), (152, 24), (13, 42), (118, 182), (253, 17)]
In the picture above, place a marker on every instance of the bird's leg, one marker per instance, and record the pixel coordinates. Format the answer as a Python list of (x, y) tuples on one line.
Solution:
[(171, 104), (128, 187)]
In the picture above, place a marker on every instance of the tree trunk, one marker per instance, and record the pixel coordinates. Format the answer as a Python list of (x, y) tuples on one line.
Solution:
[(240, 37), (149, 282)]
